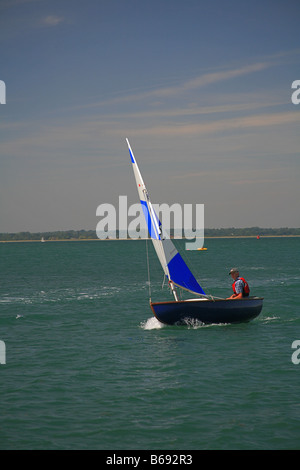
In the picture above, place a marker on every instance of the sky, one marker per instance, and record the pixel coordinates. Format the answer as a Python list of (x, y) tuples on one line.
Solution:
[(202, 90)]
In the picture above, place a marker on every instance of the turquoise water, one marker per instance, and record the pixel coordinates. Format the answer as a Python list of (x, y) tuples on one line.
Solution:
[(89, 367)]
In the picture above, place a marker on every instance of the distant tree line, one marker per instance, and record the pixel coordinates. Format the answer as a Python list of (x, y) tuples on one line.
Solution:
[(250, 231), (48, 236), (91, 234)]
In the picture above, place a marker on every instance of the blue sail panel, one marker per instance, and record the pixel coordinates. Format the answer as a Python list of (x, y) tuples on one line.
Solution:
[(151, 227), (131, 155), (182, 276)]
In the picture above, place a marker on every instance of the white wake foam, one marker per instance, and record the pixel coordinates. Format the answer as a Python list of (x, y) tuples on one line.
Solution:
[(152, 324)]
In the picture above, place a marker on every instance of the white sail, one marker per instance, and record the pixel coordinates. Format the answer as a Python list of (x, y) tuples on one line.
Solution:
[(171, 261)]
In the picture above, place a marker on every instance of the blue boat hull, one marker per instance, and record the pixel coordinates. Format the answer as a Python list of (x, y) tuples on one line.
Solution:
[(207, 311)]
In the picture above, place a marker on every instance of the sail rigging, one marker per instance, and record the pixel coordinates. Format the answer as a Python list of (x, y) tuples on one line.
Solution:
[(170, 259)]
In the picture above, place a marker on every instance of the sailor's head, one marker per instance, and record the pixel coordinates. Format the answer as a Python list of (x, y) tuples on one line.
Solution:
[(234, 272)]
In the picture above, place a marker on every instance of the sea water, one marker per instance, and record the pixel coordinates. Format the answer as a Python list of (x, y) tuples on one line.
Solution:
[(87, 366)]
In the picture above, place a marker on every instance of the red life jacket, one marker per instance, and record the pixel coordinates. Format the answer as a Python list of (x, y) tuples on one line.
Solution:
[(246, 289)]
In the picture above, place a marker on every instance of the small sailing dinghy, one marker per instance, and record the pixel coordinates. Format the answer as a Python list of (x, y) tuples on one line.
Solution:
[(203, 308)]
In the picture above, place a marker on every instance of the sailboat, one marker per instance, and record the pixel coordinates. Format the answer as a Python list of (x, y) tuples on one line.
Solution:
[(202, 308)]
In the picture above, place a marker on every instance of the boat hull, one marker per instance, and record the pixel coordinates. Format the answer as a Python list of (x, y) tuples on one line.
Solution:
[(207, 311)]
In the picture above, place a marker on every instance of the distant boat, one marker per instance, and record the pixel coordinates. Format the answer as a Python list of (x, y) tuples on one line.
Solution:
[(42, 240), (205, 308)]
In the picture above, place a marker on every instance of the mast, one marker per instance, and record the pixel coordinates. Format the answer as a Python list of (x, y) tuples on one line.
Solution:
[(173, 290)]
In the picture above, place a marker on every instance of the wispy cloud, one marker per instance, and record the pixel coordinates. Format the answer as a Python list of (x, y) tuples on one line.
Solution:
[(184, 87), (238, 177), (209, 78), (202, 110), (52, 20), (88, 134), (221, 125)]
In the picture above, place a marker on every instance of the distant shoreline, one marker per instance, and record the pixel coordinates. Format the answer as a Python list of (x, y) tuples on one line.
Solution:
[(135, 239), (91, 235)]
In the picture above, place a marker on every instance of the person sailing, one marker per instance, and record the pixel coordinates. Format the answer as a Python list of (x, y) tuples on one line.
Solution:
[(240, 285)]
